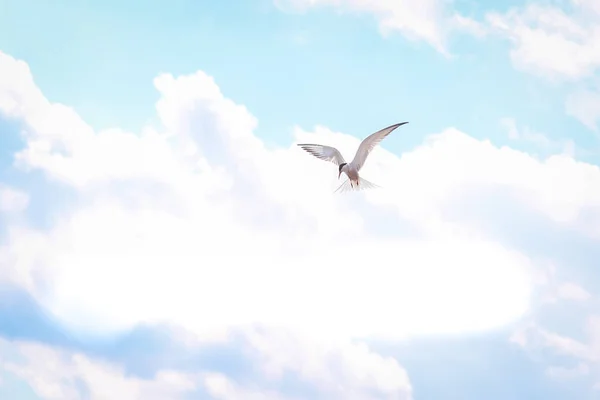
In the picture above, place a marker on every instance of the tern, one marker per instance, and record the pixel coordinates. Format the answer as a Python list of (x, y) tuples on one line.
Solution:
[(355, 181)]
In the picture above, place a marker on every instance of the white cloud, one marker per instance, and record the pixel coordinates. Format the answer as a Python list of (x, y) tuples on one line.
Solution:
[(427, 20), (204, 215), (568, 373), (571, 291), (591, 7), (553, 289), (468, 25), (582, 355), (338, 369), (12, 200), (558, 186), (539, 140), (60, 374), (550, 41), (537, 338), (547, 40), (559, 42), (332, 371), (220, 387), (104, 247), (199, 224), (584, 105)]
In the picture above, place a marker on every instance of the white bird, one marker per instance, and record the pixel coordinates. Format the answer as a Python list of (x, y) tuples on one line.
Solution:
[(355, 181)]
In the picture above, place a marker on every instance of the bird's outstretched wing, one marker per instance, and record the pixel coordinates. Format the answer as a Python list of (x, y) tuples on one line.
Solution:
[(326, 153), (369, 144)]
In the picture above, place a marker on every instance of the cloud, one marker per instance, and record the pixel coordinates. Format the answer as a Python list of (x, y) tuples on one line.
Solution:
[(584, 105), (59, 374), (582, 355), (468, 25), (537, 139), (12, 200), (564, 335), (196, 223), (343, 370), (566, 372), (428, 20), (203, 214), (333, 371), (571, 291), (551, 42), (559, 43)]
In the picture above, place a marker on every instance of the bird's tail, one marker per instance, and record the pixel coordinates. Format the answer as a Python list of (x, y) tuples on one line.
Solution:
[(363, 184)]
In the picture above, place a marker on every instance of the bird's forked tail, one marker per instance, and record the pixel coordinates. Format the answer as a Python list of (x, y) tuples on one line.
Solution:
[(363, 184)]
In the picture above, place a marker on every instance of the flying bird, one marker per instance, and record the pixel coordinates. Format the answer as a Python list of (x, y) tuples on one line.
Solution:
[(355, 181)]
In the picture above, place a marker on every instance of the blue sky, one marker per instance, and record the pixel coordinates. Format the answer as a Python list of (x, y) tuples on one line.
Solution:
[(161, 236), (289, 66)]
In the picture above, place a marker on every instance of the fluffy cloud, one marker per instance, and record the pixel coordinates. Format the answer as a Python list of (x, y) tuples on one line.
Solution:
[(343, 369), (427, 20), (197, 223), (12, 200), (582, 355), (550, 41), (571, 291), (61, 374), (558, 43), (584, 104), (330, 371), (205, 215), (537, 139), (554, 42)]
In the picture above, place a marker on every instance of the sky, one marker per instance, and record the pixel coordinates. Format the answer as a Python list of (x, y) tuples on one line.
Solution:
[(162, 236)]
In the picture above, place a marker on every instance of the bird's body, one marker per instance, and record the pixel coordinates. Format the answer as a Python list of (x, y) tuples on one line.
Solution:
[(352, 173), (355, 181)]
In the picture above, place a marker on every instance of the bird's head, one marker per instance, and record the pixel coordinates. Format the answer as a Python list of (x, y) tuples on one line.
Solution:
[(341, 169)]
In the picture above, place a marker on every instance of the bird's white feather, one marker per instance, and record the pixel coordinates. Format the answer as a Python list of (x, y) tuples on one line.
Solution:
[(363, 185), (369, 143), (326, 153)]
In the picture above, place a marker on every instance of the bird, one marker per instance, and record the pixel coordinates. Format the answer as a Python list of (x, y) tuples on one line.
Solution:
[(355, 181)]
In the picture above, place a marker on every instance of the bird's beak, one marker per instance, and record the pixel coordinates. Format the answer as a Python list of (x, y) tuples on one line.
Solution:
[(339, 174)]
